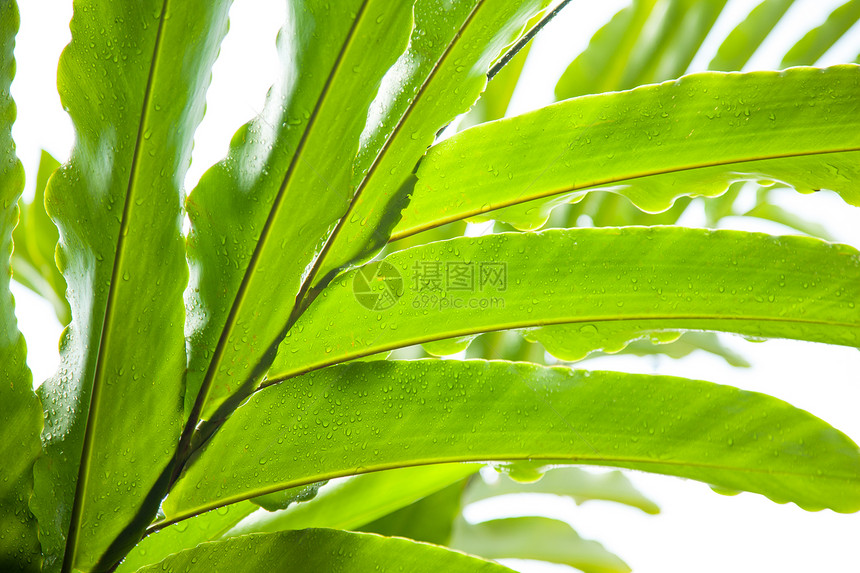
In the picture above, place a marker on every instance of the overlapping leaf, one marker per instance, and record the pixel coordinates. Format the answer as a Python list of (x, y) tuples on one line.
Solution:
[(323, 550), (597, 281), (260, 216), (133, 80), (20, 412), (536, 538), (186, 535), (348, 504), (362, 417), (446, 66), (578, 484), (35, 239), (430, 519), (359, 500), (653, 144)]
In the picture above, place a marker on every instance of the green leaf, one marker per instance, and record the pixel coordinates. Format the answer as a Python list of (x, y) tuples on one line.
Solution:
[(35, 239), (430, 519), (352, 503), (505, 345), (538, 538), (496, 97), (667, 54), (691, 137), (283, 499), (322, 550), (362, 417), (186, 535), (20, 414), (574, 342), (685, 345), (260, 217), (744, 40), (593, 283), (602, 65), (133, 80), (446, 66), (818, 40), (578, 484), (646, 42)]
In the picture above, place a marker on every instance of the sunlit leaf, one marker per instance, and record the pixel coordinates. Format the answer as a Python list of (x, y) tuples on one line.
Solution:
[(694, 136), (113, 410), (578, 484), (479, 410), (322, 550), (35, 239), (537, 538), (20, 413), (594, 286)]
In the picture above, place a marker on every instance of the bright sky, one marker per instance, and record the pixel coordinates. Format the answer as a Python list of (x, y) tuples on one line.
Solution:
[(698, 529)]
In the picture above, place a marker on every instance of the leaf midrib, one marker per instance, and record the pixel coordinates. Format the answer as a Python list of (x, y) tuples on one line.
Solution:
[(107, 322), (595, 460), (603, 182), (240, 298), (402, 343), (365, 182)]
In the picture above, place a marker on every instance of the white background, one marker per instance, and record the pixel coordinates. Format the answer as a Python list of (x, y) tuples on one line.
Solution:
[(697, 530)]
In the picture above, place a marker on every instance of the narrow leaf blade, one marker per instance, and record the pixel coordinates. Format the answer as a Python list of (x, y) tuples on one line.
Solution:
[(323, 550), (691, 137), (115, 402), (596, 283), (476, 410), (20, 413)]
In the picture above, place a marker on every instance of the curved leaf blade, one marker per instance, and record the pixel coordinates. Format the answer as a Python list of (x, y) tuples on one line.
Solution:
[(21, 413), (578, 484), (449, 76), (691, 137), (646, 42), (322, 550), (537, 538), (600, 67), (747, 36), (260, 217), (36, 239), (476, 410), (818, 40), (116, 401), (359, 500), (595, 282), (430, 519), (186, 535)]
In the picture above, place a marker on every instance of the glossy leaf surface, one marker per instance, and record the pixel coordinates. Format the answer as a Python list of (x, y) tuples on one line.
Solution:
[(596, 284), (691, 137), (322, 550), (361, 418), (452, 45), (359, 500), (113, 410), (260, 217), (20, 412)]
